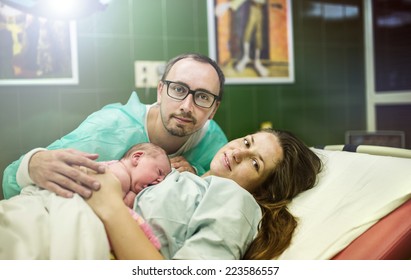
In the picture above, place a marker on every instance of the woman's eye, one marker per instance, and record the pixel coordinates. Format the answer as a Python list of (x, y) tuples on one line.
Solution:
[(246, 143), (255, 164)]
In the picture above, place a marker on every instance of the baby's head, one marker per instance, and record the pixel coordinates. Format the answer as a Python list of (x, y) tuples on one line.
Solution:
[(149, 165)]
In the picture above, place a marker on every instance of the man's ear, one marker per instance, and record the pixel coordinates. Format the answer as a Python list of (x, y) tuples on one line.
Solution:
[(160, 87), (135, 157)]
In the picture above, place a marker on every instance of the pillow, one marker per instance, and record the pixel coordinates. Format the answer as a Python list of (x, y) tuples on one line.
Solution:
[(354, 191)]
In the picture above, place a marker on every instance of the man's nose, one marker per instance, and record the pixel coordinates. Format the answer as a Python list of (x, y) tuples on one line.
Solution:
[(187, 104)]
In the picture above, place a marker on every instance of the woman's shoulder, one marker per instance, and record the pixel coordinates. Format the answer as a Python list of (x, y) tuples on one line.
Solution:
[(228, 194)]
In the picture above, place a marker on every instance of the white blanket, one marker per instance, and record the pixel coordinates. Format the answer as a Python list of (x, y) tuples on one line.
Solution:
[(41, 225)]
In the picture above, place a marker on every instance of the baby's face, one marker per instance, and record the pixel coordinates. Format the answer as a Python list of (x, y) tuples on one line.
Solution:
[(150, 170)]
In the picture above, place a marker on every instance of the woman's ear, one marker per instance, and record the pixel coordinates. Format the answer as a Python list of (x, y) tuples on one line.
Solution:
[(135, 157)]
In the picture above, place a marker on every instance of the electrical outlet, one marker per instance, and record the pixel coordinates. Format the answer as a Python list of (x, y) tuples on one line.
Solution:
[(148, 73)]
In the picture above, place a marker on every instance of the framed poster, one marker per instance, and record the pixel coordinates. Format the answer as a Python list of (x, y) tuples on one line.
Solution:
[(251, 40), (35, 50)]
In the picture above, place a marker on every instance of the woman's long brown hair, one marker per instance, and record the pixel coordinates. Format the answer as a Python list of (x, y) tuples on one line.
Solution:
[(296, 173)]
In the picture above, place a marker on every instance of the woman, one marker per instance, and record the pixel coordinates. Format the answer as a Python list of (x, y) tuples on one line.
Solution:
[(271, 167)]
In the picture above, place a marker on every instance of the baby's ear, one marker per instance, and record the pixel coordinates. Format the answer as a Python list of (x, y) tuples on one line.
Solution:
[(135, 157)]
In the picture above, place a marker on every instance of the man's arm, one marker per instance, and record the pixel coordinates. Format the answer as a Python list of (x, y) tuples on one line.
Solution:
[(10, 186), (49, 161), (52, 170), (108, 133)]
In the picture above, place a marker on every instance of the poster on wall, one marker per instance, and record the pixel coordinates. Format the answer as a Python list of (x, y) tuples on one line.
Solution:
[(251, 40), (35, 50)]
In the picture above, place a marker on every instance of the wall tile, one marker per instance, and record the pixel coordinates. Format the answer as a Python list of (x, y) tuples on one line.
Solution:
[(9, 119), (40, 117), (180, 21), (148, 18), (114, 62), (87, 62)]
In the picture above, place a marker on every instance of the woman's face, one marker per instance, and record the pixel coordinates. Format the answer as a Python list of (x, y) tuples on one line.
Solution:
[(249, 160)]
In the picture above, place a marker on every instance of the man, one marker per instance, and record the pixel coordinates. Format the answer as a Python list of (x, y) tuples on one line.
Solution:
[(188, 97)]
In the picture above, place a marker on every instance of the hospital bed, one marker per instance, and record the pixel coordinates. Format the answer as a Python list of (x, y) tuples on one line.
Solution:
[(360, 208)]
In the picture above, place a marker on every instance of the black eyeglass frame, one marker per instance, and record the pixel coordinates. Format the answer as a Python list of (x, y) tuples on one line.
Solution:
[(192, 92)]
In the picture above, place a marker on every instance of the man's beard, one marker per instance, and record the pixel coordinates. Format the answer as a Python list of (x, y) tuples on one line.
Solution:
[(178, 130)]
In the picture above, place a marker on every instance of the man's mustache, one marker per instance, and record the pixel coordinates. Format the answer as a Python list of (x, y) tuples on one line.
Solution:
[(184, 116)]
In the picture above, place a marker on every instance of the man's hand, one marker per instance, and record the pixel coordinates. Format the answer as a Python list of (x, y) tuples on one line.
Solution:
[(181, 164), (56, 171)]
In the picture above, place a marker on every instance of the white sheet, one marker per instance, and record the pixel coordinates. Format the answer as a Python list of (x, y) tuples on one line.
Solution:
[(354, 192), (40, 225)]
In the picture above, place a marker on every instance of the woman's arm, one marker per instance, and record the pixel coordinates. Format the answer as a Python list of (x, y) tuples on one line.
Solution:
[(127, 238)]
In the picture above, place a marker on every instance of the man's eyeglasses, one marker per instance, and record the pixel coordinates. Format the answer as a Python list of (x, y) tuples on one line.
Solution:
[(201, 98)]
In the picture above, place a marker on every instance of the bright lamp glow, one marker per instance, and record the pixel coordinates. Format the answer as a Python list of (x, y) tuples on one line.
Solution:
[(64, 7)]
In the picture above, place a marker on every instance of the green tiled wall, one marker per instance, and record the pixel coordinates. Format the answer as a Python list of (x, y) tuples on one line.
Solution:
[(327, 98)]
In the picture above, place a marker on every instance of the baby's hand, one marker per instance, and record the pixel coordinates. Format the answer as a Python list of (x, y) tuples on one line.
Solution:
[(181, 164), (129, 199)]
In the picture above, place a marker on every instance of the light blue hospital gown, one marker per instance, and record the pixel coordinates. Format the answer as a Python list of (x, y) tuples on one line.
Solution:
[(111, 131), (200, 218)]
